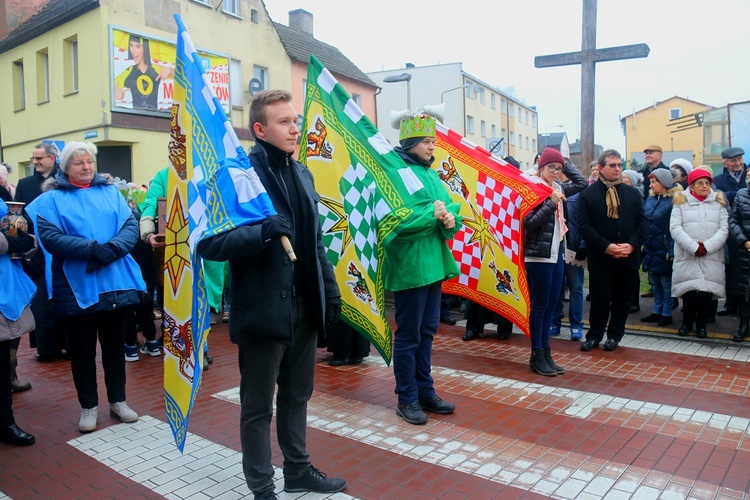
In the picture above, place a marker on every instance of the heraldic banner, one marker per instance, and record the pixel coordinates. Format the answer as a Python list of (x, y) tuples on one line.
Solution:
[(494, 198), (212, 188), (362, 199)]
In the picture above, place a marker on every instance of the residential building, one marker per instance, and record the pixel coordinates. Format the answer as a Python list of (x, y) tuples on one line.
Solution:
[(661, 124), (299, 43), (475, 109)]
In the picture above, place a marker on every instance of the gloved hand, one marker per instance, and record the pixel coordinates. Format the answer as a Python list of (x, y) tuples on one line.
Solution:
[(104, 254), (21, 243), (274, 228), (701, 252), (581, 254), (333, 310)]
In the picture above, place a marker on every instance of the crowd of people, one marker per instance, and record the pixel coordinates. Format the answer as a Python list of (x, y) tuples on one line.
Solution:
[(87, 271)]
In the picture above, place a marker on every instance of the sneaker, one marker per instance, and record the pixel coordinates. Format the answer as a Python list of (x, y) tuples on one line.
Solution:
[(151, 347), (576, 333), (412, 413), (123, 412), (225, 317), (88, 419), (131, 353), (554, 331), (435, 404), (315, 481), (213, 318)]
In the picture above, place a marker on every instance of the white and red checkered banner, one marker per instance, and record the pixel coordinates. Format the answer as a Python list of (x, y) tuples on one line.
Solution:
[(494, 197)]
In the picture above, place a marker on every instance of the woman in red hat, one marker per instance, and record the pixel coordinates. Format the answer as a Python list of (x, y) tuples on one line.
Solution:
[(699, 226)]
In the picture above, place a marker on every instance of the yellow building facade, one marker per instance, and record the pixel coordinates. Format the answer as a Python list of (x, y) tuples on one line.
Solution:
[(61, 82), (651, 125)]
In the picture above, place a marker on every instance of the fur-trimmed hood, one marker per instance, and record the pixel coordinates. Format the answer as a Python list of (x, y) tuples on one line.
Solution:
[(686, 195), (671, 192), (60, 181)]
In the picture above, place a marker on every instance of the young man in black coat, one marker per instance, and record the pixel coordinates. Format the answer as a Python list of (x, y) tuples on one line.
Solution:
[(611, 221), (279, 307)]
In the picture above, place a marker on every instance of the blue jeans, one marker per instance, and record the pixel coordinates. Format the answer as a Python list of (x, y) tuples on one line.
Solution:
[(545, 284), (417, 317), (574, 280), (662, 287)]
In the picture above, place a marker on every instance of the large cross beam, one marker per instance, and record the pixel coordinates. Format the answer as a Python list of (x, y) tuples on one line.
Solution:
[(587, 58)]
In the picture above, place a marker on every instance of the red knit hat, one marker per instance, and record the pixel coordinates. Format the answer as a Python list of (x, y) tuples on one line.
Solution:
[(548, 156), (699, 173)]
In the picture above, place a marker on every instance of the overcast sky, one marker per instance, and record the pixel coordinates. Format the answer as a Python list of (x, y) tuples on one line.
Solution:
[(699, 50)]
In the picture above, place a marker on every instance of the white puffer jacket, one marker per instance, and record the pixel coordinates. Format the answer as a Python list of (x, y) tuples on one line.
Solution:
[(693, 221)]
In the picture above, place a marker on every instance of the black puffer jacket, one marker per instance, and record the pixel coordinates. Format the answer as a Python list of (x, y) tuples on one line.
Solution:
[(539, 224), (739, 256)]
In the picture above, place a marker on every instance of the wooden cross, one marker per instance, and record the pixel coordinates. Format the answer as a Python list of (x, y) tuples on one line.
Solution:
[(587, 58)]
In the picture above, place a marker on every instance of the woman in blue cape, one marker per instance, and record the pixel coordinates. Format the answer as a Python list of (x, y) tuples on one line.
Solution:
[(15, 320), (87, 228)]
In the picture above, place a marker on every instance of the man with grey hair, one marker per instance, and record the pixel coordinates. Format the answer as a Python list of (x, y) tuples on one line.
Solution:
[(7, 190), (49, 335)]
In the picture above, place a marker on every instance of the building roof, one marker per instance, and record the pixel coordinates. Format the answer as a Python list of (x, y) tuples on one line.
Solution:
[(300, 45), (656, 103), (551, 140), (55, 13)]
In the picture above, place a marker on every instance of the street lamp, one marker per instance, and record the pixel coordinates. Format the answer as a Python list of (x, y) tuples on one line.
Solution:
[(403, 77), (464, 86), (546, 134)]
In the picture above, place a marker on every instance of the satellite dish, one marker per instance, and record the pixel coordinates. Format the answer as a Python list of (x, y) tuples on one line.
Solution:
[(254, 86)]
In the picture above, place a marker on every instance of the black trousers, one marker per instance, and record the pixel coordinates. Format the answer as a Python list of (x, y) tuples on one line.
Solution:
[(611, 296), (263, 365), (697, 307), (109, 328), (6, 396), (49, 334)]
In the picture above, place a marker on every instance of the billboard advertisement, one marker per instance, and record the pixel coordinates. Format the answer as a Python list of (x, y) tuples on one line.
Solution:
[(143, 73)]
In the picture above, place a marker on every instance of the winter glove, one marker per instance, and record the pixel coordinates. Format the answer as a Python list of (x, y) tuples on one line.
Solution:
[(21, 243), (581, 254), (101, 255), (701, 252), (274, 228), (333, 310)]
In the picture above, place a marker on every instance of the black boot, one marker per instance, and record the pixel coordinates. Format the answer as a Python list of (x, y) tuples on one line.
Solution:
[(742, 331), (548, 357), (538, 363)]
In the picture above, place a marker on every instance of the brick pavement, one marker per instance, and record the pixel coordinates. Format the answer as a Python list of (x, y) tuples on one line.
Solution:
[(661, 417)]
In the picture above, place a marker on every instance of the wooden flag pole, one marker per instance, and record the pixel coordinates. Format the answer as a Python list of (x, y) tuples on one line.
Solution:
[(288, 248)]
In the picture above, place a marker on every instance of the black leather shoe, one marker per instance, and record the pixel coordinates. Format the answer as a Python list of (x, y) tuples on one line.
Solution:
[(651, 318), (664, 321), (504, 334), (412, 413), (684, 330), (589, 344), (315, 481), (448, 319), (470, 335), (42, 358), (701, 333), (12, 434), (610, 345), (727, 311), (335, 361), (435, 404)]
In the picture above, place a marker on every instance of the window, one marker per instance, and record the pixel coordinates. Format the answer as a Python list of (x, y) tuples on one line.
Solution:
[(232, 7), (503, 106), (512, 110), (520, 141), (527, 142), (492, 101), (520, 114), (236, 89), (503, 133), (533, 144), (481, 96), (674, 113), (512, 139), (70, 66), (494, 131), (357, 100), (483, 128), (469, 124), (254, 16), (19, 95), (261, 74), (527, 118), (533, 121), (42, 76)]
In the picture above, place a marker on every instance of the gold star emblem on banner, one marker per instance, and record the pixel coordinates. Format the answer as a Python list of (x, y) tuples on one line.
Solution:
[(341, 225), (482, 232), (177, 251)]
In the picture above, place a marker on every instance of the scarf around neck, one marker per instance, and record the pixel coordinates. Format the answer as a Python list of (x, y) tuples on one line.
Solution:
[(612, 198)]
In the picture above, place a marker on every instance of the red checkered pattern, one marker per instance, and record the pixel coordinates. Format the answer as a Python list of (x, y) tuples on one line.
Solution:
[(501, 207)]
